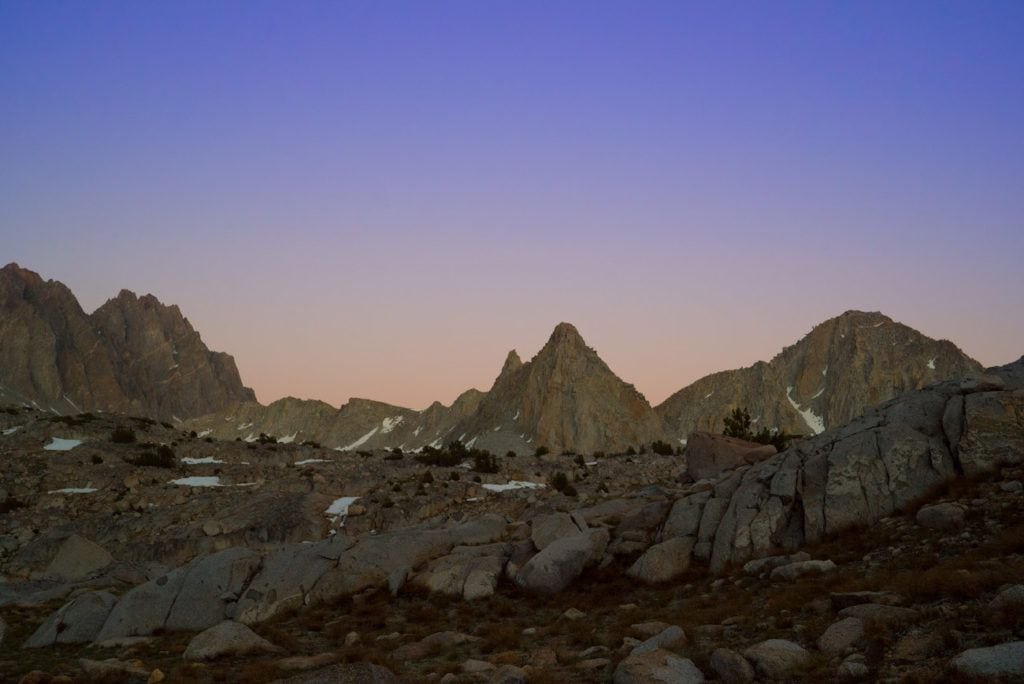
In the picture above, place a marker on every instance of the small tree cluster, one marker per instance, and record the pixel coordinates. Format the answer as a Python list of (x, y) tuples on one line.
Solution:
[(560, 482), (122, 435), (738, 424)]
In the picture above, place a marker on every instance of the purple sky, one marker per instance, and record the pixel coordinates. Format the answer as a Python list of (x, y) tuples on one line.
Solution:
[(381, 199)]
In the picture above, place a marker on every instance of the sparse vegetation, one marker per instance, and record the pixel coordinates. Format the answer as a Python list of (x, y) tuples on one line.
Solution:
[(661, 448), (541, 451), (122, 435), (738, 425), (163, 457)]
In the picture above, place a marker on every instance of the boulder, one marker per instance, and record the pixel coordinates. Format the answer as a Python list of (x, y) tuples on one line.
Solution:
[(941, 516), (793, 571), (78, 558), (1004, 660), (992, 434), (469, 572), (709, 455), (509, 674), (663, 562), (229, 638), (76, 622), (547, 529), (431, 644), (757, 566), (841, 635), (211, 584), (1009, 599), (684, 518), (284, 580), (730, 666), (113, 669), (144, 609), (777, 658), (670, 637), (554, 568), (881, 614), (346, 673), (657, 666)]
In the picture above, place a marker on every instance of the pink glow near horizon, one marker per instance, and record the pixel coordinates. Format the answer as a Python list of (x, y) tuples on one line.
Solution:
[(381, 199)]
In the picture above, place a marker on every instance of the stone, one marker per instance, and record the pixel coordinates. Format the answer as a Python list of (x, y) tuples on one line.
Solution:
[(547, 529), (468, 572), (431, 644), (210, 584), (1013, 486), (574, 614), (1003, 660), (709, 455), (853, 668), (1009, 599), (509, 674), (992, 435), (346, 673), (657, 666), (801, 568), (942, 516), (881, 614), (303, 663), (472, 666), (284, 579), (78, 558), (730, 666), (670, 637), (840, 600), (554, 568), (684, 518), (841, 635), (649, 629), (228, 638), (663, 562), (143, 610), (76, 622), (777, 658), (114, 668), (758, 566)]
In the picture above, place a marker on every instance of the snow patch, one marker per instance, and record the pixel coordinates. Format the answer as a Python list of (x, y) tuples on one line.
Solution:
[(824, 371), (511, 485), (11, 431), (931, 363), (516, 417), (73, 490), (682, 440), (416, 432), (204, 433), (197, 482), (818, 393), (68, 399), (361, 441), (61, 444), (708, 395), (339, 509), (389, 424), (312, 460), (250, 438), (244, 426), (288, 439), (470, 443), (189, 460), (813, 420)]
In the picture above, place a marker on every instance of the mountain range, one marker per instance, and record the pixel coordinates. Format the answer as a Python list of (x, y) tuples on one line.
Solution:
[(136, 355)]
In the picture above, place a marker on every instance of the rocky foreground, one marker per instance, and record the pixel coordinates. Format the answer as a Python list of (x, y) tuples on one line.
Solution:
[(891, 547)]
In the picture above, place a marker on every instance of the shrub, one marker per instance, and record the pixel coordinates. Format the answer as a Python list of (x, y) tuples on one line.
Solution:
[(661, 448), (122, 435), (484, 462), (631, 451), (394, 455), (541, 451), (454, 476), (266, 439), (559, 481), (426, 477), (510, 454), (737, 424), (311, 443), (97, 459), (163, 457)]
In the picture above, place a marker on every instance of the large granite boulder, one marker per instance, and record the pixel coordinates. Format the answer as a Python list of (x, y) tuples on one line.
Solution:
[(709, 455), (561, 562)]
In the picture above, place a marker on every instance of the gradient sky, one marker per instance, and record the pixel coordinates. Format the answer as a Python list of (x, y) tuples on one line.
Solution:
[(380, 199)]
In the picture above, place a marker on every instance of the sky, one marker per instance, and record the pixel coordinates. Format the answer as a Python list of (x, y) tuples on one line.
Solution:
[(367, 199)]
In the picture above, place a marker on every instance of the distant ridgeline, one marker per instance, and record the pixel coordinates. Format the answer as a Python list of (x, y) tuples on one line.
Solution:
[(136, 355)]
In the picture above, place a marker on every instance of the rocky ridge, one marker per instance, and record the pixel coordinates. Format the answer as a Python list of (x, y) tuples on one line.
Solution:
[(132, 355), (832, 375), (565, 399)]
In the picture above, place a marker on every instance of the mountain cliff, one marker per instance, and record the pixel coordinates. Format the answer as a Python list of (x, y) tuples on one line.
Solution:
[(842, 367), (565, 398), (132, 355)]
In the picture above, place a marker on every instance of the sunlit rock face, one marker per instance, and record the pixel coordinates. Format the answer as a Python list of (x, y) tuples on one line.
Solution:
[(842, 367), (133, 354)]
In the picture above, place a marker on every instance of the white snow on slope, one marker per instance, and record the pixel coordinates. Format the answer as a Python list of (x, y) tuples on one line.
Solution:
[(931, 363), (189, 460), (197, 482), (339, 508), (824, 371), (73, 490), (818, 393), (312, 460), (470, 443), (250, 438), (11, 431), (708, 395), (61, 444), (512, 484), (813, 420), (204, 433), (359, 442), (288, 439), (389, 424)]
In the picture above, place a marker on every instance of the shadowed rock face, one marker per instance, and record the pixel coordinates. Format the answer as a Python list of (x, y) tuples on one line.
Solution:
[(842, 367), (133, 354)]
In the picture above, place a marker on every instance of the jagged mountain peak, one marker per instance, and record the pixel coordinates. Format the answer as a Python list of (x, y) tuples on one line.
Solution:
[(565, 335), (512, 364)]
